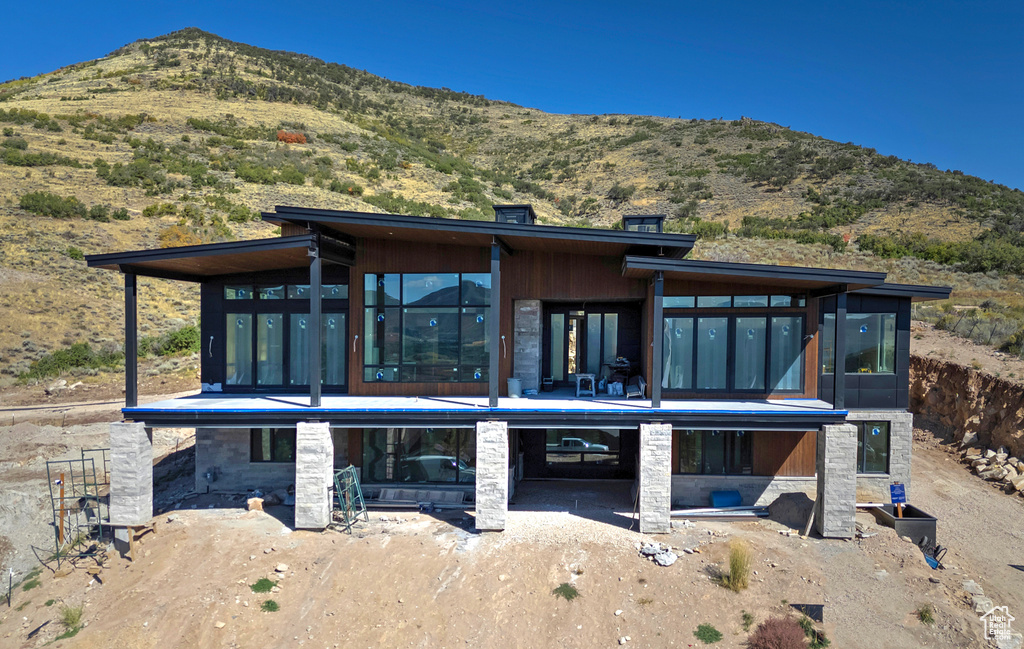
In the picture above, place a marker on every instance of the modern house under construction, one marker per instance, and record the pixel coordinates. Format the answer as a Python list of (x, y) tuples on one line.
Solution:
[(466, 356)]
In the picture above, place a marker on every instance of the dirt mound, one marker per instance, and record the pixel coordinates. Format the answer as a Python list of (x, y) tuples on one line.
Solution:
[(791, 510)]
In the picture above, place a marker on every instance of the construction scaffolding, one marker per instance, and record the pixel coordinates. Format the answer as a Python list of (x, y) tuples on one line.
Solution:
[(80, 502), (348, 499)]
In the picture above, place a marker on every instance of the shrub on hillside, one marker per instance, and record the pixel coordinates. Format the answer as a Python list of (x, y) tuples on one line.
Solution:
[(778, 633), (621, 192), (79, 355), (58, 207), (290, 138)]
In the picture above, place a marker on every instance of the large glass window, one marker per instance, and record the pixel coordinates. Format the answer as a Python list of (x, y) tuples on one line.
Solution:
[(870, 343), (567, 447), (267, 345), (712, 353), (239, 349), (734, 353), (419, 455), (426, 327), (272, 445), (715, 452), (873, 447), (787, 345), (749, 356), (678, 352)]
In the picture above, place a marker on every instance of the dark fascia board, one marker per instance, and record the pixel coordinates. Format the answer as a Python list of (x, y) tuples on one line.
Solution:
[(130, 261), (764, 271), (469, 418), (284, 213), (916, 292)]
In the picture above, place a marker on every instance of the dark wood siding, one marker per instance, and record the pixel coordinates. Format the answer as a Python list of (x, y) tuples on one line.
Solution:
[(784, 453)]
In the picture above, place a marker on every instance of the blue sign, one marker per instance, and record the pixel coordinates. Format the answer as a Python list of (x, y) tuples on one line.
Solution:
[(898, 493)]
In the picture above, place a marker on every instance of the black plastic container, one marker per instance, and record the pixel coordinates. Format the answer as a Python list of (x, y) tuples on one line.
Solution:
[(915, 523)]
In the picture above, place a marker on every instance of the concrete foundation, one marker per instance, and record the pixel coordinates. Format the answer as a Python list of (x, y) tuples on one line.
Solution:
[(655, 478), (836, 507), (131, 473), (492, 470), (314, 475), (695, 490), (526, 352)]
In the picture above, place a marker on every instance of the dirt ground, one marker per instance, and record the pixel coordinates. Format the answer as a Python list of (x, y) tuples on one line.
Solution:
[(927, 341), (429, 580)]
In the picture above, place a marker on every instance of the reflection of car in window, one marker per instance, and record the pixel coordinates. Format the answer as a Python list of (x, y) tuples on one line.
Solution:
[(576, 444), (435, 468)]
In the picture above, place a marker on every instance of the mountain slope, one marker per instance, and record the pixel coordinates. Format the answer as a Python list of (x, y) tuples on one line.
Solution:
[(186, 137)]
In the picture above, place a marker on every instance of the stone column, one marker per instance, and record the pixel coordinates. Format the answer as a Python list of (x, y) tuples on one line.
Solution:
[(131, 473), (314, 475), (655, 478), (836, 507), (491, 475), (526, 345)]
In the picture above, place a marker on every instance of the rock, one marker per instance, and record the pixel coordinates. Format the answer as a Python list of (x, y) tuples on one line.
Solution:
[(935, 580), (989, 454), (219, 625), (281, 567), (1018, 483), (255, 504), (995, 473), (1011, 473), (970, 439), (172, 518), (1012, 641), (1001, 458), (618, 612), (624, 639), (665, 558), (981, 468), (979, 462), (502, 577), (972, 587), (981, 604), (973, 453)]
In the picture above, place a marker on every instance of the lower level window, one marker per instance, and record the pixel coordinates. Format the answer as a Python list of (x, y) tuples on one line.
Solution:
[(272, 445), (715, 452), (873, 447), (419, 455)]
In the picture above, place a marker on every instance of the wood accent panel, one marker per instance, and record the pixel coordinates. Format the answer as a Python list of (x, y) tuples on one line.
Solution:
[(784, 453), (355, 446), (391, 256)]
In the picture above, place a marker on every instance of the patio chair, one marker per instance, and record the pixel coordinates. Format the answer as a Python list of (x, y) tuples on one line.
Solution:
[(636, 387)]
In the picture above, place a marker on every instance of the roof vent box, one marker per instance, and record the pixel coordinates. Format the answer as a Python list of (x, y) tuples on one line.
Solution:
[(515, 214), (643, 222)]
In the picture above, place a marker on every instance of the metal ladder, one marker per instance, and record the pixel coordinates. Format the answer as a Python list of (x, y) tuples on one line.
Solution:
[(348, 498)]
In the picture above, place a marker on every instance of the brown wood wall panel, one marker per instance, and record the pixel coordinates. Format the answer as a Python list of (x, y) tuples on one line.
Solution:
[(355, 446), (784, 453)]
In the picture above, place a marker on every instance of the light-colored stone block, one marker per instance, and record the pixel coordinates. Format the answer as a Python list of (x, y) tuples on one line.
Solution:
[(131, 473), (526, 352), (314, 477), (491, 475), (655, 497), (836, 508)]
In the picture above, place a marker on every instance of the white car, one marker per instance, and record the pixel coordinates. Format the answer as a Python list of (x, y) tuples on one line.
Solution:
[(577, 444)]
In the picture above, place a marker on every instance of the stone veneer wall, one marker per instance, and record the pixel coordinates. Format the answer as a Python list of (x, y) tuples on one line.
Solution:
[(131, 473), (526, 343), (695, 490), (314, 475), (655, 478), (227, 450), (835, 509), (492, 475), (901, 438)]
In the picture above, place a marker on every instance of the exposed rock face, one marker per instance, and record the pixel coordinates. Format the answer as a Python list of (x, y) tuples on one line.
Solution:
[(989, 411)]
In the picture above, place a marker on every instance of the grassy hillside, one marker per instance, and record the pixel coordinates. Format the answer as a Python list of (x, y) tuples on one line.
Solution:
[(186, 137)]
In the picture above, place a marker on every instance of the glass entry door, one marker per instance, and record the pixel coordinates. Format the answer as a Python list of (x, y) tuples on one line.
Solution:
[(583, 339)]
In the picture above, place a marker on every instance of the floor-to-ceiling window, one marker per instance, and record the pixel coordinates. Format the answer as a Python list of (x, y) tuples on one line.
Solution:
[(419, 455)]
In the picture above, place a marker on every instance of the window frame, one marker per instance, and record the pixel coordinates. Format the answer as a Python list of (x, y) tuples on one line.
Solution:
[(274, 434), (286, 306), (747, 455), (731, 314), (862, 447), (372, 314), (826, 330)]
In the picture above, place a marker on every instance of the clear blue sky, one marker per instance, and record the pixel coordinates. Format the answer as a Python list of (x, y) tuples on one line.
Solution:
[(938, 81)]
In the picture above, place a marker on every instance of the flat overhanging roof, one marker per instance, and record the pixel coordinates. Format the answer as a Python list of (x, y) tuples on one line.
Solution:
[(196, 263), (763, 274), (517, 236), (916, 292), (246, 411)]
